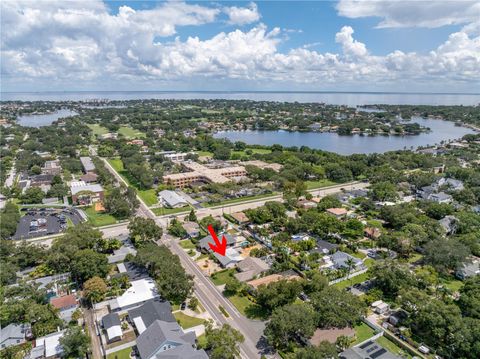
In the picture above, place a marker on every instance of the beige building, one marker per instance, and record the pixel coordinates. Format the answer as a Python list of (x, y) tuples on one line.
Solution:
[(199, 172)]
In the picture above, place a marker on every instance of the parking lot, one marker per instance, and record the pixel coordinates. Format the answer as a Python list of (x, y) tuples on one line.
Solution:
[(38, 222)]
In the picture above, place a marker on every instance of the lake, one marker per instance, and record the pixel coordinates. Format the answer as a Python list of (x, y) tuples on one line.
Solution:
[(43, 120), (347, 145), (334, 98)]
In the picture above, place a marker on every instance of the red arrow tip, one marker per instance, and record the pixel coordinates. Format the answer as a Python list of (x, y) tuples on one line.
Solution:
[(218, 247)]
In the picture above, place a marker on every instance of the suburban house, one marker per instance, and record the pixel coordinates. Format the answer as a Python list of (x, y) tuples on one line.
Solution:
[(449, 224), (469, 269), (250, 267), (337, 212), (168, 340), (139, 292), (47, 347), (66, 306), (120, 254), (87, 163), (340, 260), (203, 243), (230, 258), (52, 168), (113, 327), (306, 204), (192, 229), (85, 194), (380, 307), (240, 217), (324, 247), (14, 334), (171, 199), (372, 232), (89, 177), (452, 184), (152, 310)]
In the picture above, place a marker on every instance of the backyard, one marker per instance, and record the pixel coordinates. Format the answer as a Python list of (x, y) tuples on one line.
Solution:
[(362, 333), (121, 354)]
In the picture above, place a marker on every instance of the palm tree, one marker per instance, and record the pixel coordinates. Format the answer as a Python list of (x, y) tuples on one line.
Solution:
[(350, 264)]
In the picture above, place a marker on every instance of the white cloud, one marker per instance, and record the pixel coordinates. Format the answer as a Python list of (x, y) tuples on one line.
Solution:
[(76, 43), (413, 13), (350, 46), (242, 15)]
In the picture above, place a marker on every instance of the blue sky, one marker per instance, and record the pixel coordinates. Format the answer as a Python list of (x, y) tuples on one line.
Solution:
[(271, 45)]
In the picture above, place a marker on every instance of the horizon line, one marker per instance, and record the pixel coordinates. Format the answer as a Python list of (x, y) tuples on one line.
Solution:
[(242, 91)]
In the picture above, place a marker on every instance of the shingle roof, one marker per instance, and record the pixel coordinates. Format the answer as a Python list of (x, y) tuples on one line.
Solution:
[(150, 341), (87, 164), (208, 239), (111, 320), (155, 309), (172, 198)]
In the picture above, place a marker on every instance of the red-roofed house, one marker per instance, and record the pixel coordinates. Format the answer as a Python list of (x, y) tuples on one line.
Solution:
[(66, 305), (337, 212)]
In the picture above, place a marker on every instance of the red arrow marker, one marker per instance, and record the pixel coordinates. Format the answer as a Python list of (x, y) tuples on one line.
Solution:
[(218, 247)]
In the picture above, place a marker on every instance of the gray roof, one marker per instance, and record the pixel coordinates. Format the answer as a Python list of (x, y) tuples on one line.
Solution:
[(340, 259), (159, 333), (253, 263), (172, 198), (152, 310), (324, 246), (111, 320), (87, 164), (368, 350), (441, 196), (95, 188), (208, 239), (13, 331)]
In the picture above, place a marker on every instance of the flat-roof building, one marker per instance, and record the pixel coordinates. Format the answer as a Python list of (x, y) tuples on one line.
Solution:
[(200, 173), (87, 164), (171, 199)]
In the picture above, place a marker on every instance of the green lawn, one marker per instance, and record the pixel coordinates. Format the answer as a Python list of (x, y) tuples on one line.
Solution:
[(187, 244), (254, 150), (354, 280), (237, 200), (97, 129), (149, 196), (121, 354), (221, 277), (391, 346), (99, 219), (205, 153), (453, 284), (129, 132), (161, 211), (187, 321), (362, 333), (319, 184)]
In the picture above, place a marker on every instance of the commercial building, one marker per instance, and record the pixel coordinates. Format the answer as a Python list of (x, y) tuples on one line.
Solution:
[(171, 199), (200, 173), (84, 194)]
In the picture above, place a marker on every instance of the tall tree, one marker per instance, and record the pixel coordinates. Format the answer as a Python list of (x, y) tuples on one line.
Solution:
[(75, 343), (223, 342)]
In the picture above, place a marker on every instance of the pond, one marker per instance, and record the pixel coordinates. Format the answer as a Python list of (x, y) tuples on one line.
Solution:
[(346, 145), (44, 119)]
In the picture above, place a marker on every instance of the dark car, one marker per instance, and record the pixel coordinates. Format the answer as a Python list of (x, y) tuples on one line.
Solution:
[(183, 306)]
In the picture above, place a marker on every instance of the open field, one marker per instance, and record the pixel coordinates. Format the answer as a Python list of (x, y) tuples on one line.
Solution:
[(148, 196), (129, 132), (97, 129), (99, 219)]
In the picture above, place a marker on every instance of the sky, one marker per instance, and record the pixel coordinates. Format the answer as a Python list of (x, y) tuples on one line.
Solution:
[(345, 45)]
